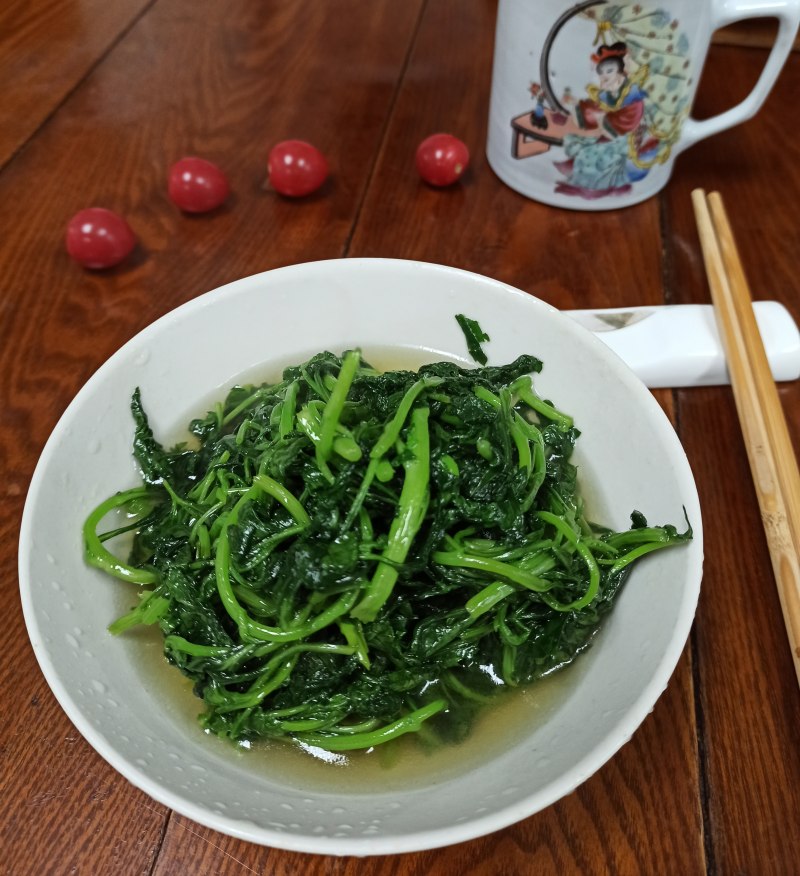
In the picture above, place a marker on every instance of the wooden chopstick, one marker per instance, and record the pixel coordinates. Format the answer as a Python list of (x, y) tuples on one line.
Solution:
[(766, 435)]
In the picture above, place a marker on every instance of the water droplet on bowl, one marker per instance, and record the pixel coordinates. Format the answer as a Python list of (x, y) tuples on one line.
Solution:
[(71, 640), (51, 559), (93, 446), (143, 358), (287, 806), (56, 585), (99, 686)]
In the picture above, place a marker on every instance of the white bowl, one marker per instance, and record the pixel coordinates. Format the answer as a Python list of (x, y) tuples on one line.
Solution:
[(629, 457)]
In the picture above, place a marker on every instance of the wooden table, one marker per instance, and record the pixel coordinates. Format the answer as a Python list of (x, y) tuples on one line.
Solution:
[(99, 98)]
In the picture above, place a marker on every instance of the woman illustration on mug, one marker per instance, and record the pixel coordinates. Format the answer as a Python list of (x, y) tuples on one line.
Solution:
[(617, 148)]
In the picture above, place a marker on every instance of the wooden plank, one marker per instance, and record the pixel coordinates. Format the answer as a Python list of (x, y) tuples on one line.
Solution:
[(748, 694), (48, 46), (225, 81), (481, 224), (58, 799), (753, 34)]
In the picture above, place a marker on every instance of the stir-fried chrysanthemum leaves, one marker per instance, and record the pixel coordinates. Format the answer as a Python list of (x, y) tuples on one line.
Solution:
[(474, 336), (348, 556)]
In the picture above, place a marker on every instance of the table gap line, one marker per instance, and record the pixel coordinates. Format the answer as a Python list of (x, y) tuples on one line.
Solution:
[(161, 839), (668, 287), (115, 41), (702, 760), (384, 129), (667, 264)]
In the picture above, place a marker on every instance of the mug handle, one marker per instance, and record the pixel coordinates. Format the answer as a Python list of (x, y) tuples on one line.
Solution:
[(726, 12)]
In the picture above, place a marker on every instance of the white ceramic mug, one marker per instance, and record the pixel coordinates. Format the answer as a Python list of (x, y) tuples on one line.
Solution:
[(591, 101)]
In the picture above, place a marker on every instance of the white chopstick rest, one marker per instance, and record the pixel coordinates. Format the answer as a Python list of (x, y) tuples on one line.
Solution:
[(679, 345)]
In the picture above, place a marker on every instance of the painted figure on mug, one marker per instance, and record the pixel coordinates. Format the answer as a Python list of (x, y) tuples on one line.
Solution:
[(616, 149)]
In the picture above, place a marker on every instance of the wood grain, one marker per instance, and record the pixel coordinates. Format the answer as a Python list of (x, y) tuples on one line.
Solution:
[(224, 81), (529, 245), (46, 48), (764, 430), (749, 702), (757, 33), (710, 781)]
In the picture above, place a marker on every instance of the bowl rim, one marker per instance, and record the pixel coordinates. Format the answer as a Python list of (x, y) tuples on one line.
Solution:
[(475, 827)]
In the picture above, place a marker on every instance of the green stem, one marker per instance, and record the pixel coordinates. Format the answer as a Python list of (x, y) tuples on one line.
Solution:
[(498, 569), (639, 552), (278, 492), (466, 692), (529, 397), (411, 508), (250, 629), (248, 402), (288, 409), (391, 431), (410, 723), (178, 643), (101, 558), (333, 409), (151, 609), (274, 674), (591, 590), (268, 546), (487, 598), (519, 430)]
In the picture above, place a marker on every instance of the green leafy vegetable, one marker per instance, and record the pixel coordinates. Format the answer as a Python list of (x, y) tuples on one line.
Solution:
[(474, 336), (347, 556)]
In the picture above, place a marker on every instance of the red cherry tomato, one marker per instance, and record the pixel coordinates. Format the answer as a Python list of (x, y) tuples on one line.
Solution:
[(442, 159), (296, 168), (196, 185), (99, 238)]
